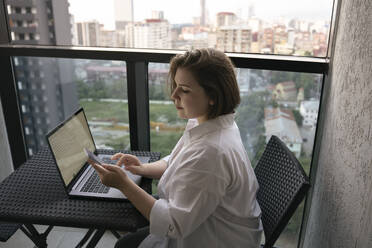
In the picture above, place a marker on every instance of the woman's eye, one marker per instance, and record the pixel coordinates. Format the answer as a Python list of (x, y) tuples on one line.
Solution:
[(185, 91)]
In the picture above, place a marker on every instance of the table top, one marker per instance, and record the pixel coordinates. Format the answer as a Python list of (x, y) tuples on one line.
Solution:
[(35, 194)]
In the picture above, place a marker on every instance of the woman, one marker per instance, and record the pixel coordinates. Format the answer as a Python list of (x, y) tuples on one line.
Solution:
[(207, 186)]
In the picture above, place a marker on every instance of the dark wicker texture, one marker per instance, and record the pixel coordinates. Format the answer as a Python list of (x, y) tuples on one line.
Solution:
[(7, 230), (35, 194), (283, 184)]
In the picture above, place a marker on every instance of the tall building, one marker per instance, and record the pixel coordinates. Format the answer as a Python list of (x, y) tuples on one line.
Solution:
[(157, 14), (251, 11), (234, 39), (123, 13), (151, 33), (88, 33), (45, 85), (225, 19), (109, 38), (268, 39), (203, 16)]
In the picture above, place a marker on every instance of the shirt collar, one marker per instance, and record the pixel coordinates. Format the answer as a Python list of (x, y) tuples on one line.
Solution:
[(194, 131)]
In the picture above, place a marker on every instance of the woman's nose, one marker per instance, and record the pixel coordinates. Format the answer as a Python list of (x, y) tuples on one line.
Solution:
[(174, 95)]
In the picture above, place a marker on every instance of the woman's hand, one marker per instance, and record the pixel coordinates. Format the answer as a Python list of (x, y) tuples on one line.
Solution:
[(115, 176), (131, 163), (111, 175)]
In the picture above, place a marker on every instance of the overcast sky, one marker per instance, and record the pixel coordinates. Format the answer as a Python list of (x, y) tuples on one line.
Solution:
[(183, 11)]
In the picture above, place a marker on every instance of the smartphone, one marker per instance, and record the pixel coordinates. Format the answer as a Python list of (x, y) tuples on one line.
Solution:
[(93, 157)]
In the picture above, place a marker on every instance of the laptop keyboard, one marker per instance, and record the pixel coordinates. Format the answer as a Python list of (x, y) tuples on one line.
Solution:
[(94, 185), (107, 160)]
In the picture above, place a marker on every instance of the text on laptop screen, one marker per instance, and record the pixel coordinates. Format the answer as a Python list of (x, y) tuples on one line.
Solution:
[(68, 143)]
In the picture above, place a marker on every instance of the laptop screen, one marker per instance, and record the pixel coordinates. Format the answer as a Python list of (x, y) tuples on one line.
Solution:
[(67, 143)]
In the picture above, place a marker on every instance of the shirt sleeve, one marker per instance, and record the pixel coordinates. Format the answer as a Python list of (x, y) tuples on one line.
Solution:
[(166, 158), (195, 191)]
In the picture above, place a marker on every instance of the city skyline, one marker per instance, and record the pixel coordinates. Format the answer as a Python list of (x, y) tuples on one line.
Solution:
[(311, 10)]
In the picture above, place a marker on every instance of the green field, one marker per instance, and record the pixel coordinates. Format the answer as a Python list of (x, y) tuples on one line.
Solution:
[(104, 111), (162, 141)]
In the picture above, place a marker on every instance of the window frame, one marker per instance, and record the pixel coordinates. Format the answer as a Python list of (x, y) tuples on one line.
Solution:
[(137, 74)]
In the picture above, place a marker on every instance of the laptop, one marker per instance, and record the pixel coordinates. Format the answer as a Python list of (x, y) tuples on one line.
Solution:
[(67, 143)]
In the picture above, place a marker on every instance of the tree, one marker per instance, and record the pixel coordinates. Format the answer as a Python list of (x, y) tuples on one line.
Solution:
[(157, 92), (94, 90), (98, 90), (82, 89), (250, 115), (259, 148), (164, 142), (298, 117), (307, 81), (117, 89)]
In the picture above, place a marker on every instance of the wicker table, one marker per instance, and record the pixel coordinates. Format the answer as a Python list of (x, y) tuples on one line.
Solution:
[(34, 194)]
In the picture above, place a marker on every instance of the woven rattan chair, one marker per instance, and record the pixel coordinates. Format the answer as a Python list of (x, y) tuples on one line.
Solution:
[(283, 185)]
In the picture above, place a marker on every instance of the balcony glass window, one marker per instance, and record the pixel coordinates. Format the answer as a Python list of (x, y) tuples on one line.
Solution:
[(271, 103), (99, 87), (256, 26), (166, 127)]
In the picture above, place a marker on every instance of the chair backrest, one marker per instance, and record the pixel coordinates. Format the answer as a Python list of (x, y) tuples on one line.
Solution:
[(283, 184)]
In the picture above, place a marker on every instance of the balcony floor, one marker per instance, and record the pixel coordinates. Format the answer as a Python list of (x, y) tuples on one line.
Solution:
[(59, 237)]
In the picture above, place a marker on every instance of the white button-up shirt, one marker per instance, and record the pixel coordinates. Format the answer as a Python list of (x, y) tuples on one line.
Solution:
[(208, 191)]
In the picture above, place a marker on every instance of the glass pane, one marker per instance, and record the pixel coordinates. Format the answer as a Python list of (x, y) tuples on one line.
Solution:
[(255, 26), (284, 104), (51, 89), (166, 127)]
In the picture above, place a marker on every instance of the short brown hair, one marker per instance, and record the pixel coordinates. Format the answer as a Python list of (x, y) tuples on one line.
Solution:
[(214, 72)]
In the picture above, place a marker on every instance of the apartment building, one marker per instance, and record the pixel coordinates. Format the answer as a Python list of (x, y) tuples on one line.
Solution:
[(45, 79)]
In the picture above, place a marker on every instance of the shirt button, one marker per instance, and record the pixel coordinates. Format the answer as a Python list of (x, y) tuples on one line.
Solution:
[(170, 228)]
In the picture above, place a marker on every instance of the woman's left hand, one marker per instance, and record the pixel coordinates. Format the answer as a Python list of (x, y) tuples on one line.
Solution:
[(111, 175)]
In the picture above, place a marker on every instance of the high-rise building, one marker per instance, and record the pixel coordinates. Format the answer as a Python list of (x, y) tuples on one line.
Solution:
[(151, 33), (251, 11), (123, 13), (203, 17), (45, 85), (225, 19), (88, 33), (234, 39), (108, 38), (157, 14), (268, 40)]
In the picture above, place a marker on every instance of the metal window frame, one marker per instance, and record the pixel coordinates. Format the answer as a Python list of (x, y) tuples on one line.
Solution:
[(240, 60), (137, 80), (9, 98), (137, 74)]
